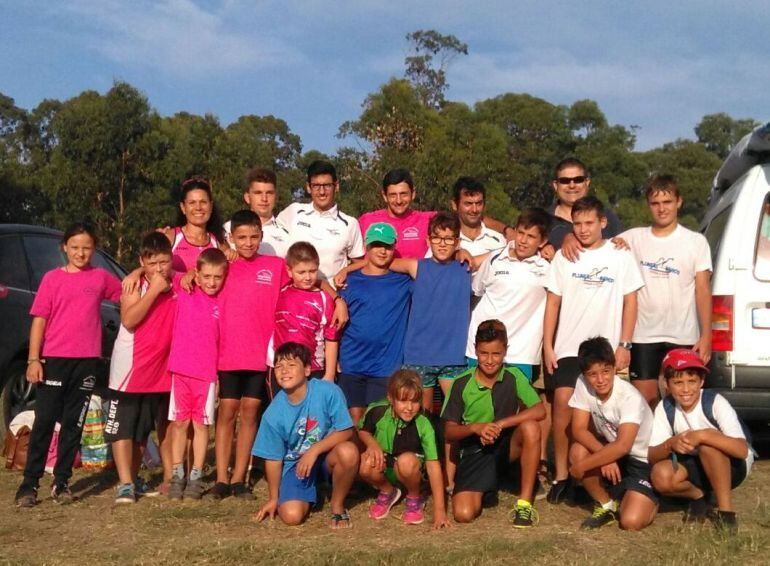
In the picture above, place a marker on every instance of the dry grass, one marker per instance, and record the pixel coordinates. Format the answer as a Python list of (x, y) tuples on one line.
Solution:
[(155, 531)]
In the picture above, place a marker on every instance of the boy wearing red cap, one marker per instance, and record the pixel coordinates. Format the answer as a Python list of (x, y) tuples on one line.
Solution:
[(698, 444)]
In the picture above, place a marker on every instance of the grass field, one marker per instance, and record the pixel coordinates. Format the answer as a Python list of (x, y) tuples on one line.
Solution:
[(157, 531)]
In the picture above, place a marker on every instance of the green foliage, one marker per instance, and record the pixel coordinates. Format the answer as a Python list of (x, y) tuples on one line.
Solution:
[(426, 74), (719, 132)]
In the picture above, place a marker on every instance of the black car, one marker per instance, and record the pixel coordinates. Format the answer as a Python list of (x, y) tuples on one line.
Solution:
[(26, 254)]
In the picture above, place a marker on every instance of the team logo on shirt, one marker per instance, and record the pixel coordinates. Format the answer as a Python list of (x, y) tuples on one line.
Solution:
[(502, 272), (594, 278), (411, 233), (309, 433), (333, 231), (90, 291), (305, 224), (265, 276), (661, 267)]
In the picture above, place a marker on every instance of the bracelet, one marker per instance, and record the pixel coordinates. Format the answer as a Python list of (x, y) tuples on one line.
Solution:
[(33, 360)]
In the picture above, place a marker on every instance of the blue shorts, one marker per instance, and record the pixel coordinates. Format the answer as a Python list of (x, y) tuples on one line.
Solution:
[(294, 489), (526, 369), (431, 374), (362, 390)]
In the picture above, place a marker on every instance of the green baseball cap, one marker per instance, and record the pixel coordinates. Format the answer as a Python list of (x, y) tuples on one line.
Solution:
[(380, 232)]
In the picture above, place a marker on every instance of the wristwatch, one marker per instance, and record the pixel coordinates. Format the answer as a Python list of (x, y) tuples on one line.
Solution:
[(626, 345)]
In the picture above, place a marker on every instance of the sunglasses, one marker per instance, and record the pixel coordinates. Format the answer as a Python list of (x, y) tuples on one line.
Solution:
[(567, 180)]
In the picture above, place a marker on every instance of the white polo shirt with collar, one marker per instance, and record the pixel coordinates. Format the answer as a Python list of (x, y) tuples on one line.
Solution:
[(335, 235), (488, 240), (275, 238)]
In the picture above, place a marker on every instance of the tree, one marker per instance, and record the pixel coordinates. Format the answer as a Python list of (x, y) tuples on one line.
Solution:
[(719, 132), (426, 67)]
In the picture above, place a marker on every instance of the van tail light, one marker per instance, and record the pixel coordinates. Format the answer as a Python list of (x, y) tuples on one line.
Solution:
[(722, 323), (3, 291)]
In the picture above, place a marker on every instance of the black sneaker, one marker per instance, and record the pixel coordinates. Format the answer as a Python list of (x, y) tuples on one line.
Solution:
[(61, 494), (26, 496), (726, 521), (524, 516), (220, 491), (239, 490), (697, 511), (558, 492), (599, 518)]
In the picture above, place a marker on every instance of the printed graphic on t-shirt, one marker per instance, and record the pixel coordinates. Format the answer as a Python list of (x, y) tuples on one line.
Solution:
[(660, 268), (594, 278), (410, 233), (309, 433), (265, 276)]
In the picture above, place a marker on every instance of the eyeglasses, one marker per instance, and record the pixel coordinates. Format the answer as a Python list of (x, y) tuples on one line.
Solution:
[(567, 180), (450, 241), (320, 186)]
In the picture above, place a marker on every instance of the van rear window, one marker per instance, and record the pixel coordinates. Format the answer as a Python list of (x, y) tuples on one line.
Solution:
[(762, 256), (714, 231)]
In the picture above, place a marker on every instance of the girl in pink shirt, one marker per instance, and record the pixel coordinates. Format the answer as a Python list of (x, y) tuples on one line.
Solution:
[(65, 345)]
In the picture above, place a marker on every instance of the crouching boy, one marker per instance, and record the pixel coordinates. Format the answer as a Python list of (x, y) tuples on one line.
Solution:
[(305, 431), (492, 414), (611, 464), (698, 444)]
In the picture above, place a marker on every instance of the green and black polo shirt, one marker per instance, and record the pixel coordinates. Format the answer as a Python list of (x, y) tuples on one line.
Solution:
[(470, 402), (396, 436)]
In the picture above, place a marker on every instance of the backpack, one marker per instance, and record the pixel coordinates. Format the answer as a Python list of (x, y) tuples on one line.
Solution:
[(707, 397)]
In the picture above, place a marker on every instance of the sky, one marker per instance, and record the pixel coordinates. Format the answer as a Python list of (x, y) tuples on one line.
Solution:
[(657, 65)]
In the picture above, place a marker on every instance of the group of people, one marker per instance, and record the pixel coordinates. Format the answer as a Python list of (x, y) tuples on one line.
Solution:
[(403, 346)]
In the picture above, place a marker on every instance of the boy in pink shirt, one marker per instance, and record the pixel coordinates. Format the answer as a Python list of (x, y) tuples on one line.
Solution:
[(139, 378), (304, 313), (193, 366)]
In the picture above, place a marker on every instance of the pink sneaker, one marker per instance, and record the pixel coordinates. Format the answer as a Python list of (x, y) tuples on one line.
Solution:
[(381, 506), (413, 515)]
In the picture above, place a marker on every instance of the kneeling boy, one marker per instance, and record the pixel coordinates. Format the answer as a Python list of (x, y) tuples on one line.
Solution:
[(492, 414), (622, 418), (697, 444), (304, 430)]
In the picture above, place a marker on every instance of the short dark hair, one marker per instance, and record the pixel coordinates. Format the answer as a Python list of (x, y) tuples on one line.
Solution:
[(320, 167), (396, 176), (570, 162), (596, 350), (669, 372), (445, 221), (661, 183), (468, 185), (211, 256), (154, 243), (587, 204), (405, 381), (245, 218), (260, 175), (535, 217), (301, 251), (491, 330), (293, 351), (78, 228)]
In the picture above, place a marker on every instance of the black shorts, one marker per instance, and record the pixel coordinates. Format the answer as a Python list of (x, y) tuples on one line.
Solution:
[(566, 374), (132, 416), (646, 359), (242, 383), (696, 475), (479, 467), (635, 476), (361, 390)]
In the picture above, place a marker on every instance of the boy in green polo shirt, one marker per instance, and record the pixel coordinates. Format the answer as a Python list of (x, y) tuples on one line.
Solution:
[(492, 414), (399, 439)]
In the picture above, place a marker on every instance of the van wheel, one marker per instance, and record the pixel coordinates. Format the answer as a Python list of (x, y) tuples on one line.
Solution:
[(17, 395)]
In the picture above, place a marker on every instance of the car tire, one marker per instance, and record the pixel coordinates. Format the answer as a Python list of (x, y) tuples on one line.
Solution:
[(16, 395)]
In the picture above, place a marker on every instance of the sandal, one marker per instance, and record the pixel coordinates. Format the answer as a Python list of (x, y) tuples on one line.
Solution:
[(338, 518)]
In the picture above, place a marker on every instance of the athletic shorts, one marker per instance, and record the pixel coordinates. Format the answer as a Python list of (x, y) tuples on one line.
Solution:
[(646, 359), (565, 375), (191, 399), (132, 416), (696, 474), (431, 374), (479, 467), (390, 467), (242, 383), (294, 489), (361, 390), (635, 476)]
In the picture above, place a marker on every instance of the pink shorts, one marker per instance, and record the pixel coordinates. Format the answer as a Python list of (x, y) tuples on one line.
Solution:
[(191, 399)]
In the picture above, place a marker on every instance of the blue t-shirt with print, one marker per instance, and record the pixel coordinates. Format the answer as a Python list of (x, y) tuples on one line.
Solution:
[(373, 341), (287, 431)]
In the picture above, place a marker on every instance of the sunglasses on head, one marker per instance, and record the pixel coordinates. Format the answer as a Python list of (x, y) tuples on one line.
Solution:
[(567, 180)]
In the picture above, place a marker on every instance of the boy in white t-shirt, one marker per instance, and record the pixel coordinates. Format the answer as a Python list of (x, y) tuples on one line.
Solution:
[(610, 457), (594, 296), (697, 444), (675, 302)]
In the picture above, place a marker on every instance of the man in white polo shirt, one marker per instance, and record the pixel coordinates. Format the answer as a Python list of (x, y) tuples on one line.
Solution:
[(468, 200), (260, 197), (335, 235)]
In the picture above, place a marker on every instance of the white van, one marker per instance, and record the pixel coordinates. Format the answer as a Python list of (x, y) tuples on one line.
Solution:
[(737, 227)]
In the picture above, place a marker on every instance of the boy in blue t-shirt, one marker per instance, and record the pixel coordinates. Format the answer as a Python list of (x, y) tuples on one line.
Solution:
[(372, 345), (305, 431)]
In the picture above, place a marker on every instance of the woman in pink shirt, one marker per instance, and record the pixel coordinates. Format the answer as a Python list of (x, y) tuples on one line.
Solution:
[(65, 345)]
